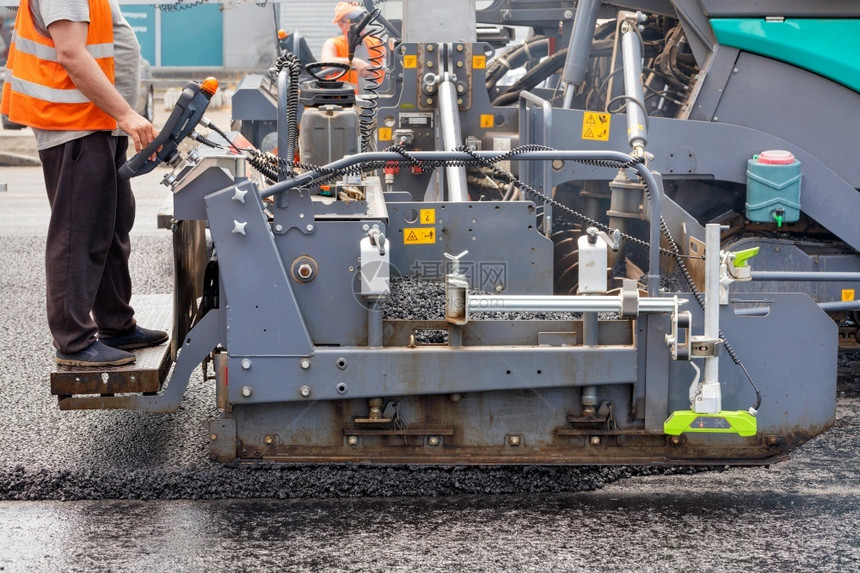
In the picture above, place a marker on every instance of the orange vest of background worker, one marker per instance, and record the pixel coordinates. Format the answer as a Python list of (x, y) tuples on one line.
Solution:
[(38, 91), (336, 49)]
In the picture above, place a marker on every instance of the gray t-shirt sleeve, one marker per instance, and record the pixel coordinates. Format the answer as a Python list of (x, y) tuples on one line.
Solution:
[(47, 12)]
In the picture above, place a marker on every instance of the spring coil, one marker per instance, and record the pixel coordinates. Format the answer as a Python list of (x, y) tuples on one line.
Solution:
[(369, 104)]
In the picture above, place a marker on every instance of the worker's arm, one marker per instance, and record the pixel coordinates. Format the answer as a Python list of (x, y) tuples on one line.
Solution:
[(70, 40), (329, 54)]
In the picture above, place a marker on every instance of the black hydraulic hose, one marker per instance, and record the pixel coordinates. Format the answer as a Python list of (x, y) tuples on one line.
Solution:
[(544, 70), (532, 78), (516, 56), (605, 29)]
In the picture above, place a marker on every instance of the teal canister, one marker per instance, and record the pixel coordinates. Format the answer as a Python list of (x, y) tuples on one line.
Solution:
[(773, 187)]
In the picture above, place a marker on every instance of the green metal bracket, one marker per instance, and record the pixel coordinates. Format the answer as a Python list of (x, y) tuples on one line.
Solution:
[(741, 257), (737, 422)]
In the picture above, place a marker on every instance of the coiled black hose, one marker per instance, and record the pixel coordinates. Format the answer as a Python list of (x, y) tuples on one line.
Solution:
[(369, 104), (291, 61)]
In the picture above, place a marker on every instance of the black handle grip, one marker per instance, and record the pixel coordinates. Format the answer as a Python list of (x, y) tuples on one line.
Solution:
[(354, 36), (183, 119), (320, 70)]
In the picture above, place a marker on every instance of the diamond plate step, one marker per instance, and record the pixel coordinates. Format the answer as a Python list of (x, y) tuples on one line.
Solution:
[(145, 374)]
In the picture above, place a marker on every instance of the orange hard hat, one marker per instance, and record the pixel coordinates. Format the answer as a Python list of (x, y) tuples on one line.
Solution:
[(347, 11)]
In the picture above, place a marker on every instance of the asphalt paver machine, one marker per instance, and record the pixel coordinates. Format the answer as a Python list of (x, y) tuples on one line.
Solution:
[(628, 237)]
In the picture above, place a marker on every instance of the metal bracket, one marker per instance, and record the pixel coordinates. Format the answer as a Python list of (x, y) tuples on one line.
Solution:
[(429, 61), (703, 347), (222, 440), (299, 215), (629, 299), (681, 349)]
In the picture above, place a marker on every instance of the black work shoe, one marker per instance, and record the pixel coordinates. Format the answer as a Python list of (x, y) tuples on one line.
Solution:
[(97, 354), (137, 338)]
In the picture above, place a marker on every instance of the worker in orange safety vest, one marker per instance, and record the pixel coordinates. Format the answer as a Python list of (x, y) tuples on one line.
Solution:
[(370, 55), (73, 77)]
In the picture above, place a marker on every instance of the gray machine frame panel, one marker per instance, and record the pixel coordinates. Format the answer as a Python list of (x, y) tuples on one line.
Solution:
[(392, 105), (262, 314), (778, 255), (331, 305), (815, 113), (423, 370), (803, 382), (501, 237)]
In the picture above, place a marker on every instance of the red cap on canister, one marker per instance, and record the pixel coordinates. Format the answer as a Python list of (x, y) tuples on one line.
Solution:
[(776, 157)]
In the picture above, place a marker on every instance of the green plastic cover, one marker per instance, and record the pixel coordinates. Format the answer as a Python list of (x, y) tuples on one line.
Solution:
[(726, 422), (829, 48)]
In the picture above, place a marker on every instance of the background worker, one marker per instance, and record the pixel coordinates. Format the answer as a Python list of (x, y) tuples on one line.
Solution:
[(72, 75), (346, 15)]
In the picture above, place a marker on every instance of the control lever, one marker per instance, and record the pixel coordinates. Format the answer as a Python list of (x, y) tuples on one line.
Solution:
[(354, 37), (183, 119)]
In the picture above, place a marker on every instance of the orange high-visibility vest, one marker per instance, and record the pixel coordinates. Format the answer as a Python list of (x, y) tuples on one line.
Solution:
[(38, 91), (374, 46)]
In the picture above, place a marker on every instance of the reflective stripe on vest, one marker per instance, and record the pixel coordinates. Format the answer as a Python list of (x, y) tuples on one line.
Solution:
[(38, 91), (48, 53)]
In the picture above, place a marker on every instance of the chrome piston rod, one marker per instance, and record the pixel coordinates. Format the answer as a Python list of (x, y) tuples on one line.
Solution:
[(549, 303), (455, 177)]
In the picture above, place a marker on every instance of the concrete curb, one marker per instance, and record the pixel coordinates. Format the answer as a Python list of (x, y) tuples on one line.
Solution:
[(18, 160)]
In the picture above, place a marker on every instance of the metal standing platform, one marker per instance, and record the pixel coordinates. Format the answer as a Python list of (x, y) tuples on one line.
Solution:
[(145, 375)]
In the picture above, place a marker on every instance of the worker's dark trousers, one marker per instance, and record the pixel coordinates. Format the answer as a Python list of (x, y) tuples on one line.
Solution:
[(86, 258)]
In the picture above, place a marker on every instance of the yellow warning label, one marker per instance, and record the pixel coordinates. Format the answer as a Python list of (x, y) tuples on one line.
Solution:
[(847, 294), (596, 126), (479, 62), (419, 235), (487, 120), (384, 134), (410, 61), (428, 216)]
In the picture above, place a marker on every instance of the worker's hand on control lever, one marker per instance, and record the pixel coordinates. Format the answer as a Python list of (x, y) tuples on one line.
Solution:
[(361, 67), (162, 146), (141, 131)]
